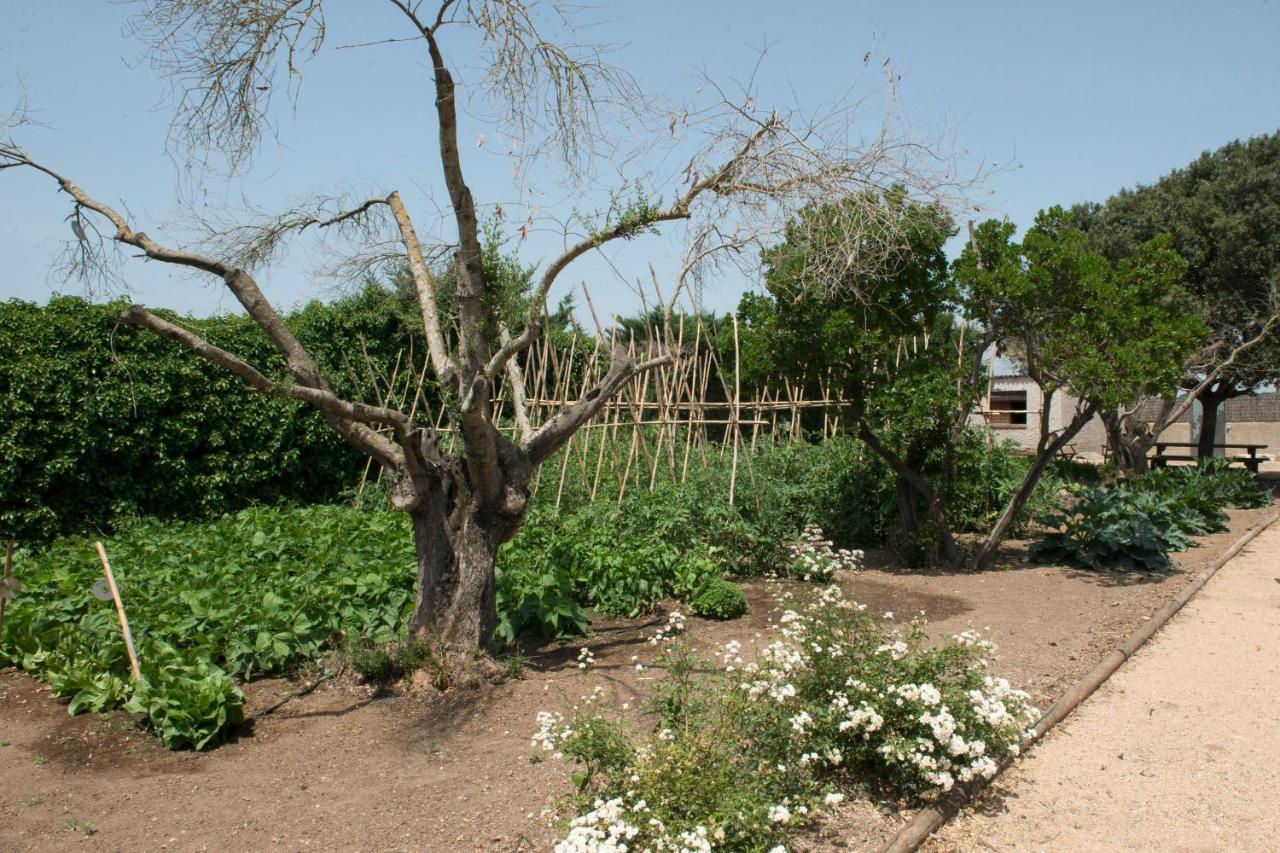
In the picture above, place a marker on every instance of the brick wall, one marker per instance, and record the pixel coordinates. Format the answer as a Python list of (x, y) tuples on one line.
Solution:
[(1260, 408)]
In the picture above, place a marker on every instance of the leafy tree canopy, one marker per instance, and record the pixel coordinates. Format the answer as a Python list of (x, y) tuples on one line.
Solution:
[(1222, 215), (808, 330), (1105, 331)]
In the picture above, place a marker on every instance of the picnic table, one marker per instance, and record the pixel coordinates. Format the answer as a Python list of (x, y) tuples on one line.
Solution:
[(1250, 461)]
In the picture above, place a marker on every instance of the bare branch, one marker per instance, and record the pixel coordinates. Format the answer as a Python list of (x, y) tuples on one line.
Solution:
[(224, 60), (1180, 407), (555, 432), (335, 409), (425, 285), (515, 380), (254, 245)]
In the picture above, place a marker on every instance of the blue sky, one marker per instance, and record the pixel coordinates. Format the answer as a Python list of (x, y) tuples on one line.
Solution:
[(1073, 100)]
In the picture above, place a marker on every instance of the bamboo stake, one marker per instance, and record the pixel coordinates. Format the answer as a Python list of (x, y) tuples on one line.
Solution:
[(124, 620), (693, 383), (737, 430), (8, 567), (567, 450), (604, 440)]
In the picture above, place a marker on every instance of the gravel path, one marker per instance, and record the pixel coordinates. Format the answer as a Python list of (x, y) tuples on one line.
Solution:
[(1180, 750)]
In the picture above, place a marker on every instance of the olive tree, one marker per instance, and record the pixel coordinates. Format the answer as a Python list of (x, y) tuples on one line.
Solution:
[(749, 169)]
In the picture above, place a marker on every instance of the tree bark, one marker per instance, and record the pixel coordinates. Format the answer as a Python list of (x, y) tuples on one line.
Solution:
[(1128, 446), (1047, 450), (1211, 400), (911, 480), (456, 535)]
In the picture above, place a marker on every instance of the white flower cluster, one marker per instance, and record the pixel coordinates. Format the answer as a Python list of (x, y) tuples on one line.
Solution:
[(585, 658), (947, 756), (674, 625), (552, 732), (907, 723), (730, 655), (1002, 705), (604, 829), (613, 824), (973, 639), (815, 557), (829, 690)]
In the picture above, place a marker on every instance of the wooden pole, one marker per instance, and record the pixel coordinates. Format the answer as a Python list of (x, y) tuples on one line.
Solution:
[(737, 390), (8, 567), (124, 620)]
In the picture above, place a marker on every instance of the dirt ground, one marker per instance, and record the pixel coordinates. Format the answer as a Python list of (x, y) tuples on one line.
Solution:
[(1178, 751), (343, 769)]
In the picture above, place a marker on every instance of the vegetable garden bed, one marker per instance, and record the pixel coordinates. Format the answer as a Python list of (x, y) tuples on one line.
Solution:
[(345, 768)]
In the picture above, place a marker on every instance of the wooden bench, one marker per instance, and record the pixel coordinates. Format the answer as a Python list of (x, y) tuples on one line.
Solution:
[(1250, 461)]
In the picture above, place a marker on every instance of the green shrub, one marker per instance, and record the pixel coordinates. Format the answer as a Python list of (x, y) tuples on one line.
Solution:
[(105, 421), (1105, 530), (1136, 523), (384, 663), (719, 599), (747, 752)]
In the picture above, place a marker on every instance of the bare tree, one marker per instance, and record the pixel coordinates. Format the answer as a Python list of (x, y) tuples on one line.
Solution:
[(751, 172)]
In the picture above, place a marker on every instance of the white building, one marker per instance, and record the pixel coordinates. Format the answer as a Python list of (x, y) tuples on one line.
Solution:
[(1013, 405)]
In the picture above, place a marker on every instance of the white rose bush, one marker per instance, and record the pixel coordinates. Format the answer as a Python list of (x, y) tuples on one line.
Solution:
[(745, 750)]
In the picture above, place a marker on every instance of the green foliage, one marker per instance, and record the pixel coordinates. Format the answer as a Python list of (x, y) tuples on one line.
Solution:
[(1136, 523), (630, 220), (745, 755), (255, 592), (187, 700), (1107, 332), (268, 589), (719, 599), (384, 663), (1221, 213), (535, 589), (813, 326), (104, 421), (1111, 530)]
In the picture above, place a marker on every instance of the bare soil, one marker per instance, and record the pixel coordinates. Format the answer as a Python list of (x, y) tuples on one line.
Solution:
[(345, 768)]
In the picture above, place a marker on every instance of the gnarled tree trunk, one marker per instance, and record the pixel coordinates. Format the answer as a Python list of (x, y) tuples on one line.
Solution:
[(1129, 441), (456, 536), (911, 483)]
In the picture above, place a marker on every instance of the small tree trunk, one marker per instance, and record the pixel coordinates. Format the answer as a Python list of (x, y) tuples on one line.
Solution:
[(915, 482), (907, 507), (1211, 400), (1129, 451), (1023, 494)]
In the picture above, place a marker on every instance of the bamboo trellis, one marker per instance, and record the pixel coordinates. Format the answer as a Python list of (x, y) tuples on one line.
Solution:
[(663, 422)]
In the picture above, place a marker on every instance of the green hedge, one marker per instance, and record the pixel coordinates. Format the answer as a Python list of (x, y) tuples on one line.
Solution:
[(102, 420)]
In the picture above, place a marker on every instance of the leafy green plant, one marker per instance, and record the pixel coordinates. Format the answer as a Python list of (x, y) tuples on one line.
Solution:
[(384, 663), (260, 591), (1105, 530), (188, 701), (1136, 523), (719, 599), (104, 422)]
